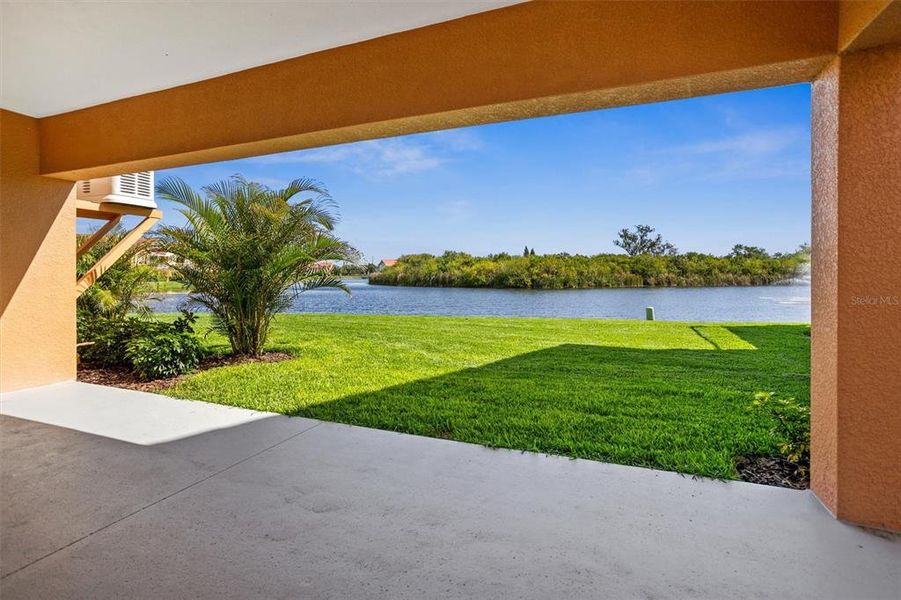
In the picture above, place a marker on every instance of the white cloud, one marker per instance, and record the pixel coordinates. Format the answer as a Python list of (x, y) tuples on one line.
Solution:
[(456, 140), (397, 157), (387, 157), (749, 155), (275, 183), (456, 210), (756, 143)]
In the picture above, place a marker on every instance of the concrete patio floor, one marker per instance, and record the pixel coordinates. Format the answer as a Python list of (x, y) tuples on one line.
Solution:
[(109, 493)]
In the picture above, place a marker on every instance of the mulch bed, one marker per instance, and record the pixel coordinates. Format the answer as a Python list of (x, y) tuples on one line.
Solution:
[(772, 471), (123, 378)]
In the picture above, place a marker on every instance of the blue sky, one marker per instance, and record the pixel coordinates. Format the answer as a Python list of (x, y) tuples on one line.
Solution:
[(706, 172)]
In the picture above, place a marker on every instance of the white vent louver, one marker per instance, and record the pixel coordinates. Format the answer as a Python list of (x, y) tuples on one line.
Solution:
[(145, 184), (135, 189)]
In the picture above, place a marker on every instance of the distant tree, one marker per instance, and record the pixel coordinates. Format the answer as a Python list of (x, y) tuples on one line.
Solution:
[(525, 251), (640, 241), (532, 252), (560, 271), (742, 251)]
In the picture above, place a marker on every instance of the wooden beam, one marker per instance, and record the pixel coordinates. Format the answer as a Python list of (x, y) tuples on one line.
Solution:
[(101, 210), (114, 254), (98, 235)]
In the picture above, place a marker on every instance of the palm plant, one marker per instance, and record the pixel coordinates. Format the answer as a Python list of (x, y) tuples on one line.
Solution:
[(247, 251)]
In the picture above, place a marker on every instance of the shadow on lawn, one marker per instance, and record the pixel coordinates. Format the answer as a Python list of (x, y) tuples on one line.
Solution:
[(676, 409)]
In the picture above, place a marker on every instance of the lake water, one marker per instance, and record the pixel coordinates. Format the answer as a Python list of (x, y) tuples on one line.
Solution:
[(776, 303)]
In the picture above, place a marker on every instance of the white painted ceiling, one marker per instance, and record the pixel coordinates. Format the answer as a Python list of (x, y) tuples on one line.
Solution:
[(61, 56)]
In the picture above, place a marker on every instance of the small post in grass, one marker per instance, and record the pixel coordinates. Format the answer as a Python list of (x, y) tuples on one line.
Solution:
[(649, 313)]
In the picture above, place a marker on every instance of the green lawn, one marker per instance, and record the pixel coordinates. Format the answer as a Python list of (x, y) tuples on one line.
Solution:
[(658, 394), (166, 286)]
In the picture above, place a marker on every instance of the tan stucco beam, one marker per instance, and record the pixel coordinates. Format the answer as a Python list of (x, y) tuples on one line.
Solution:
[(868, 23), (773, 75), (522, 61)]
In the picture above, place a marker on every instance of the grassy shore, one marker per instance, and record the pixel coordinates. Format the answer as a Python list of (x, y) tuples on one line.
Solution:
[(166, 286), (659, 394)]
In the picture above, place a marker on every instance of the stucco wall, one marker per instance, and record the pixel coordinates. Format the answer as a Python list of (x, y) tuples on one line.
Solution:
[(869, 268), (856, 359), (37, 254), (824, 288)]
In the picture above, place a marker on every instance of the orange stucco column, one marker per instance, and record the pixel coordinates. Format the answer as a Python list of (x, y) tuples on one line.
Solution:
[(37, 252), (856, 346)]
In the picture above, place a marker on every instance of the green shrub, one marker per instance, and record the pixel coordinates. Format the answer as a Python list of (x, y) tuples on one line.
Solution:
[(109, 338), (152, 349), (791, 426), (164, 354)]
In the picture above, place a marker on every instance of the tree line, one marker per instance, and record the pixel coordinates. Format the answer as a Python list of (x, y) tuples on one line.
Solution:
[(649, 261)]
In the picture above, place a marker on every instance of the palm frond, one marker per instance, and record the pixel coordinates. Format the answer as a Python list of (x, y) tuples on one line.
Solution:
[(247, 251)]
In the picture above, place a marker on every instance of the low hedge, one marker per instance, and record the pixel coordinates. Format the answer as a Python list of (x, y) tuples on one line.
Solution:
[(151, 349)]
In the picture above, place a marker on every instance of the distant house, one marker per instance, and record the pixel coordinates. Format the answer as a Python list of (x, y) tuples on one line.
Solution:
[(149, 253), (386, 262)]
